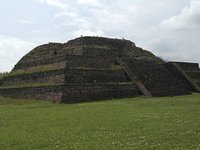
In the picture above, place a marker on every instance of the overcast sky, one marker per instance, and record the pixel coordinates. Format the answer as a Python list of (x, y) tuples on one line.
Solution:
[(168, 28)]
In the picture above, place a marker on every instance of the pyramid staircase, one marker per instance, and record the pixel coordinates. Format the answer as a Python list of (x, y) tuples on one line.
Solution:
[(155, 79), (188, 72), (133, 77)]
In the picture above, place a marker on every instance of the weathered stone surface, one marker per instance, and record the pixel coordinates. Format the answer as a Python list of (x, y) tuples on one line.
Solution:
[(158, 80), (188, 66), (188, 73), (50, 77), (88, 68), (52, 93), (91, 92)]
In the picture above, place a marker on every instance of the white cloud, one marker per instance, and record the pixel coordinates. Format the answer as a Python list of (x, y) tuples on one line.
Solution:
[(139, 21), (172, 46), (170, 28), (188, 18), (28, 22), (89, 2), (11, 50), (56, 3), (133, 9), (178, 36), (83, 32), (64, 9), (67, 14)]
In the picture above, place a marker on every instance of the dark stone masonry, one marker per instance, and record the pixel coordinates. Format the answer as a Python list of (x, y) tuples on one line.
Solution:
[(97, 68)]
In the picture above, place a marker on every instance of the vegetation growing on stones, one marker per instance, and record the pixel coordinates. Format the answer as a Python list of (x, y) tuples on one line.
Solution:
[(3, 74), (95, 68)]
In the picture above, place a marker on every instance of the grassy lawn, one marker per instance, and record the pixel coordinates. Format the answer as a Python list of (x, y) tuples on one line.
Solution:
[(136, 123)]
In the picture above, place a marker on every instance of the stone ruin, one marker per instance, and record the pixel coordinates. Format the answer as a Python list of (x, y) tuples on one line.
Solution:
[(97, 68)]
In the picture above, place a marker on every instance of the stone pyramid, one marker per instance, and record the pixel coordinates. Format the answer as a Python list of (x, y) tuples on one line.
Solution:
[(97, 68)]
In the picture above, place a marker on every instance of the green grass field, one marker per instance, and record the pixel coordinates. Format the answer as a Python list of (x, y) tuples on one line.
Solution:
[(169, 123)]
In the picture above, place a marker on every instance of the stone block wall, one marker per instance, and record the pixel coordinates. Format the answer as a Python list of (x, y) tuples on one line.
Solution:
[(86, 69), (194, 75), (60, 61), (69, 62), (37, 68), (158, 80), (47, 77), (67, 76), (186, 66), (51, 93), (73, 93), (82, 79), (89, 62), (189, 73), (101, 51), (95, 76), (171, 68), (91, 92)]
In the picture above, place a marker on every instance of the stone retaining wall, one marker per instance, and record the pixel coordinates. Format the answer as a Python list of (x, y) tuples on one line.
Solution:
[(51, 93), (171, 68), (189, 74), (73, 93), (98, 92), (67, 76), (158, 80), (90, 62), (71, 62), (53, 77), (186, 66), (95, 76), (194, 75)]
